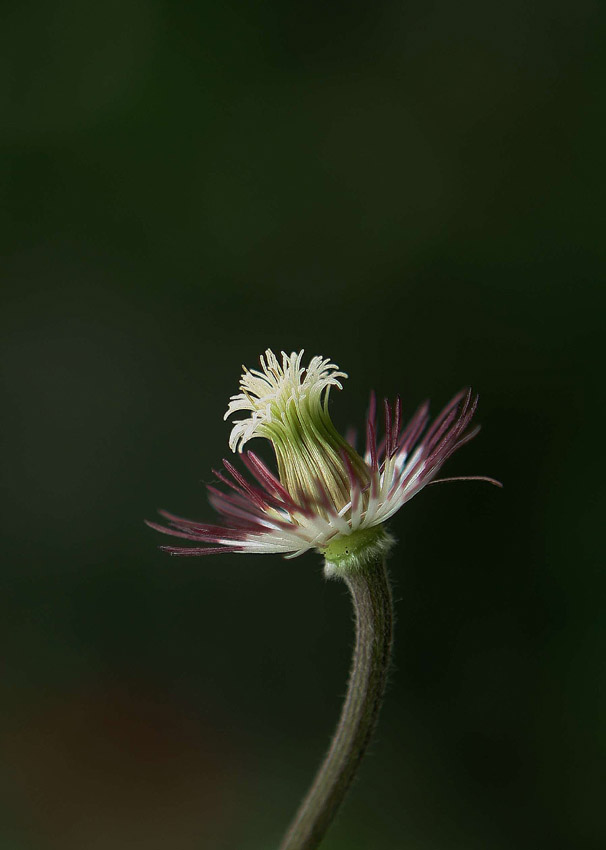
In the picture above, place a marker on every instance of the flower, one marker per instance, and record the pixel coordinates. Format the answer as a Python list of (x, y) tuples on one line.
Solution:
[(326, 496)]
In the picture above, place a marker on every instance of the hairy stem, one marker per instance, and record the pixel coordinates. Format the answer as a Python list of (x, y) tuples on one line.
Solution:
[(371, 597)]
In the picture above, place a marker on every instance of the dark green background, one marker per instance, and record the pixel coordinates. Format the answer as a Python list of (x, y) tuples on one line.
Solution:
[(413, 189)]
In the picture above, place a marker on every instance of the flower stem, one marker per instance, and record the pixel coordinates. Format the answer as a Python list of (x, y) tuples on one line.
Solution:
[(371, 597)]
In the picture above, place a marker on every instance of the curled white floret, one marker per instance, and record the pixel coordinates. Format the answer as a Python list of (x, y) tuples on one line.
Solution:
[(270, 392)]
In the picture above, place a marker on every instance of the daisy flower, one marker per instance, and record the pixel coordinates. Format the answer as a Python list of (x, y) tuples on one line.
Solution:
[(326, 496)]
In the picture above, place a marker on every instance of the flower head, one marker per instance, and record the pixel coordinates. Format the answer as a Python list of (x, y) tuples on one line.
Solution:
[(326, 496)]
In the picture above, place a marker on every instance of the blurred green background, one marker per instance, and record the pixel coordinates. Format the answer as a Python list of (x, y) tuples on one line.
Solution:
[(413, 189)]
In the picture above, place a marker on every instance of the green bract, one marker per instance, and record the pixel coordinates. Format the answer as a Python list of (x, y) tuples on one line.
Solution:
[(355, 551)]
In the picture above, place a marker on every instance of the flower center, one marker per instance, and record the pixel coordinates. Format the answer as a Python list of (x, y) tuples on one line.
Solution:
[(289, 406)]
